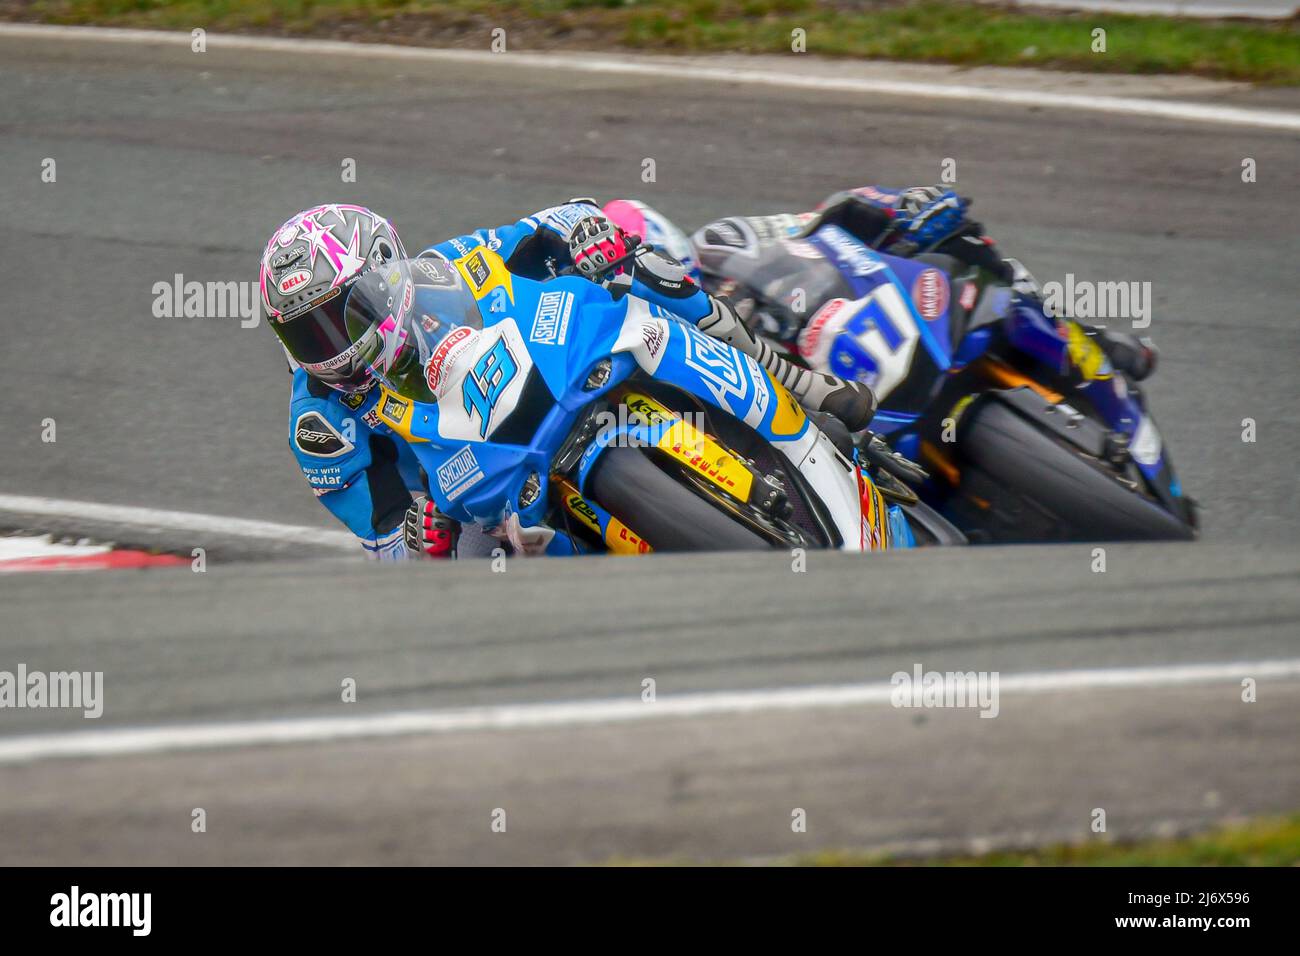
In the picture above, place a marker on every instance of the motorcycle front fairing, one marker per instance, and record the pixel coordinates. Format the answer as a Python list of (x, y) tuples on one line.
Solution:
[(1062, 345), (511, 398), (489, 417)]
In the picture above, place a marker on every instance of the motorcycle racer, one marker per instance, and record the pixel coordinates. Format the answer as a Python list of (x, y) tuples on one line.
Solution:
[(901, 223), (363, 473)]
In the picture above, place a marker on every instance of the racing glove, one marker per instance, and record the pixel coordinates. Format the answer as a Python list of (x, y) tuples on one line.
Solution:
[(595, 243), (918, 215), (927, 214), (428, 532)]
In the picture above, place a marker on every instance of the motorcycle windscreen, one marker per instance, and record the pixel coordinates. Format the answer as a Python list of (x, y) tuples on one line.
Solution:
[(410, 316), (792, 279)]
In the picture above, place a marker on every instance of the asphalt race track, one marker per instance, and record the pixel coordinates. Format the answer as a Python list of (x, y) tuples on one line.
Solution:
[(171, 163)]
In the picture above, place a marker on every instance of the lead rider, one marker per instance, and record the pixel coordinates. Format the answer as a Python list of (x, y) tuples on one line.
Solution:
[(362, 471)]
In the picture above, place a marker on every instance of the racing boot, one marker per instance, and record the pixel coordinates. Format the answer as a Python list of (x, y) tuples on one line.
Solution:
[(853, 403), (1134, 356)]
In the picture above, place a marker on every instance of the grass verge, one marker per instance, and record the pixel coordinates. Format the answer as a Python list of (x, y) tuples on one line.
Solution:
[(936, 31), (1263, 842)]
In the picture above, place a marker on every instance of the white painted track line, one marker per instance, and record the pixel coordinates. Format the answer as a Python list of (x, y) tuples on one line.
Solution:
[(148, 740), (667, 67), (127, 516), (44, 546)]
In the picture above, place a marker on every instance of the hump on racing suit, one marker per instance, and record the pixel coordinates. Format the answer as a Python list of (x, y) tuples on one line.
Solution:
[(529, 244)]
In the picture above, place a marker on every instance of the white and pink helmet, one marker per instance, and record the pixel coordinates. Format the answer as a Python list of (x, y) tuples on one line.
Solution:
[(638, 219), (308, 271)]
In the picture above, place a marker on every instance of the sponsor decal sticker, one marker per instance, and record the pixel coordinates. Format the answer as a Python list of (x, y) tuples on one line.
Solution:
[(930, 293), (294, 280), (484, 271), (437, 272), (338, 361), (850, 251), (476, 268), (718, 365), (287, 258), (812, 332), (450, 348), (393, 408), (583, 511), (969, 293), (308, 306), (649, 411), (551, 322), (654, 336), (564, 218), (1086, 354), (313, 435), (353, 400), (459, 473)]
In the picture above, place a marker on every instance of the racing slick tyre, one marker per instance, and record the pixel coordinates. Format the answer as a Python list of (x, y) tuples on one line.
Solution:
[(663, 511), (1087, 501)]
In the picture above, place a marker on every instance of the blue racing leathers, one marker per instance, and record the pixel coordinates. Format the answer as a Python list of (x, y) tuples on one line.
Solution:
[(359, 468), (362, 471), (527, 245)]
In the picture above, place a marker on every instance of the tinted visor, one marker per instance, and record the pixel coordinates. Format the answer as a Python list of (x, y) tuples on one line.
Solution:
[(318, 340)]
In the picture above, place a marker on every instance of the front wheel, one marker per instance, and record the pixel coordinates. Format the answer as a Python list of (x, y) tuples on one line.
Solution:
[(661, 510), (1079, 494)]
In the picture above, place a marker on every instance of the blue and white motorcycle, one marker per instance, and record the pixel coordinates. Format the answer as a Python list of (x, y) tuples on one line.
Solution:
[(570, 421)]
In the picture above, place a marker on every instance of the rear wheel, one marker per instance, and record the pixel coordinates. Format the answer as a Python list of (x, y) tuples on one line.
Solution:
[(663, 511), (1085, 499)]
